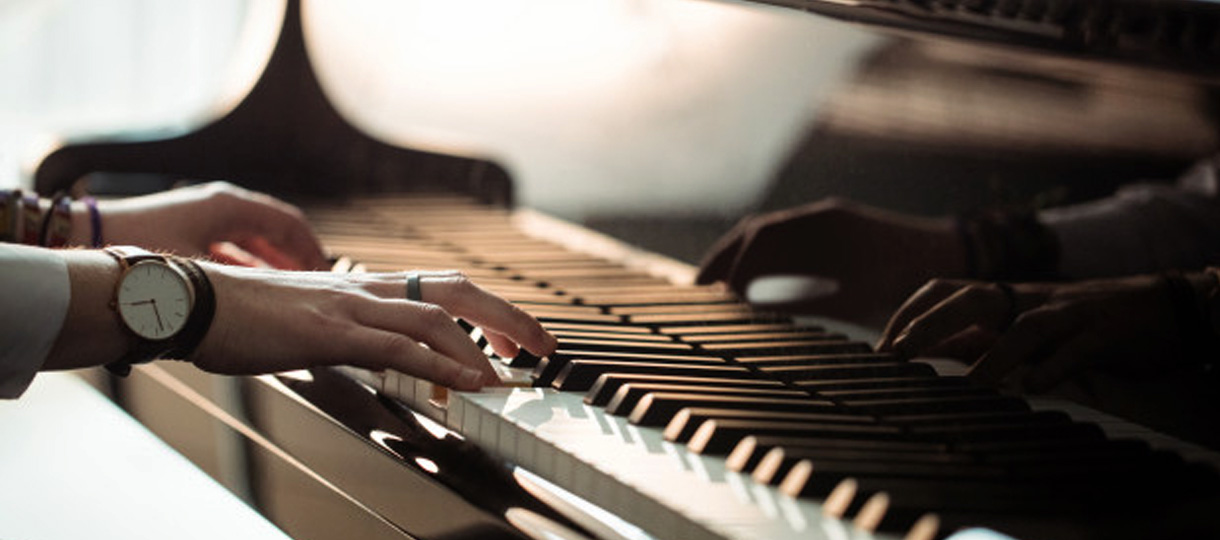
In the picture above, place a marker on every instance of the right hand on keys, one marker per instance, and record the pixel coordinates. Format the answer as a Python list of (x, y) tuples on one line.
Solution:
[(268, 321), (1040, 334)]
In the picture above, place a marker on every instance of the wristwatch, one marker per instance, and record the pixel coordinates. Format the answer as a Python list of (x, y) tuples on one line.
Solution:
[(165, 303)]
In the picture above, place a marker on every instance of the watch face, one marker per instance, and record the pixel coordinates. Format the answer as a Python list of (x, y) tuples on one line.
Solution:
[(154, 300)]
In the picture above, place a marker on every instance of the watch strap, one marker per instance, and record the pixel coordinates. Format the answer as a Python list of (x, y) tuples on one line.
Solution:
[(200, 319)]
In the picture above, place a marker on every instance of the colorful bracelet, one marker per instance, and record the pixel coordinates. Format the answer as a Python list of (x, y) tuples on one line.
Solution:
[(31, 219), (56, 228), (95, 222)]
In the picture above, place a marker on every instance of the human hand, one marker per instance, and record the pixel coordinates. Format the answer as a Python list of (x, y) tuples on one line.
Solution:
[(269, 321), (1038, 335), (874, 257), (231, 224)]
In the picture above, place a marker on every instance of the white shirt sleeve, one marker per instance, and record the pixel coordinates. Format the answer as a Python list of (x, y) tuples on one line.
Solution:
[(1142, 228), (34, 296)]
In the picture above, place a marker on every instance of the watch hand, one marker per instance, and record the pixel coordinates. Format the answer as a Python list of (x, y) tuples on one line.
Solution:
[(141, 302), (157, 312)]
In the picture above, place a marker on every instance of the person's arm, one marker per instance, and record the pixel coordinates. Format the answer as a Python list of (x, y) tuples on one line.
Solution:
[(269, 320), (33, 303), (1142, 228), (215, 219)]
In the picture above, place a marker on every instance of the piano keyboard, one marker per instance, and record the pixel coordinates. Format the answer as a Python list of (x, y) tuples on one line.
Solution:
[(691, 416)]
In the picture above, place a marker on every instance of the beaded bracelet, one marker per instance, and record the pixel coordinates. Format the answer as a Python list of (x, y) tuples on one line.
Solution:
[(31, 219), (95, 222), (56, 227)]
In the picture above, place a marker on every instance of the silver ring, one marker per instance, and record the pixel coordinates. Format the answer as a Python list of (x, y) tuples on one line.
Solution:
[(414, 293)]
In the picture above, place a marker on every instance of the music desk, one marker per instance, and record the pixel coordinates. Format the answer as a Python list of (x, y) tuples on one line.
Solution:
[(74, 465)]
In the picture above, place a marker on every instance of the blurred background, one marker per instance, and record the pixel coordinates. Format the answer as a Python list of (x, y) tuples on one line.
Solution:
[(659, 121)]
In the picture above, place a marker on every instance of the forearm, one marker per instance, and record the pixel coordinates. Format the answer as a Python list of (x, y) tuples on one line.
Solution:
[(91, 333), (1142, 229)]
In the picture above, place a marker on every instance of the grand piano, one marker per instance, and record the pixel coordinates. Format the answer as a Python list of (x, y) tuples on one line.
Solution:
[(675, 411)]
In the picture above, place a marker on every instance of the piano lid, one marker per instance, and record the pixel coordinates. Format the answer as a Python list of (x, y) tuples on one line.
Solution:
[(666, 107), (1177, 34)]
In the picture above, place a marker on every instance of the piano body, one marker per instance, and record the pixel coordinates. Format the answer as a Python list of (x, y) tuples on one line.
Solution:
[(675, 411)]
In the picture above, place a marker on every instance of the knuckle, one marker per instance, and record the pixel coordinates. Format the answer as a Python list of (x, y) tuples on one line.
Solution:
[(221, 189), (463, 284), (390, 345), (434, 316)]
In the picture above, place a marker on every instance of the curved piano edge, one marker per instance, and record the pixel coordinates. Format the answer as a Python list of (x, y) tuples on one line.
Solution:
[(324, 457)]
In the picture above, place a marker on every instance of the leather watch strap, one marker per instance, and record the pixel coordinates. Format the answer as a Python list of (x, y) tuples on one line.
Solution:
[(200, 319)]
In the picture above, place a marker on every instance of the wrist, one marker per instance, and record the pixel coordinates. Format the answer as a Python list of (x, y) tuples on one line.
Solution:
[(91, 333)]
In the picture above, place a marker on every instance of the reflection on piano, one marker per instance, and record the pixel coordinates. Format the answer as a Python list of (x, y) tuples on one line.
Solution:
[(670, 411)]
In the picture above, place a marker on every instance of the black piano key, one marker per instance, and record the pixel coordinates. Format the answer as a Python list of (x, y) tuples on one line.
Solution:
[(627, 346), (833, 344), (731, 329), (853, 371), (667, 309), (908, 393), (711, 319), (819, 386), (684, 424), (1068, 462), (775, 463), (580, 374), (607, 384), (670, 295), (750, 337), (939, 404), (1143, 485), (548, 369), (580, 318), (659, 408), (829, 353), (720, 436), (596, 327), (523, 359), (931, 494), (564, 335), (754, 447), (625, 400), (751, 449), (828, 471), (558, 306)]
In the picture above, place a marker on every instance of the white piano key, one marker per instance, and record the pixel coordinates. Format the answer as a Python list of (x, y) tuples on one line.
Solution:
[(630, 471)]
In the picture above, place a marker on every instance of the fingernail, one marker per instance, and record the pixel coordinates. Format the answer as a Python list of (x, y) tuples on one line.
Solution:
[(470, 379)]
